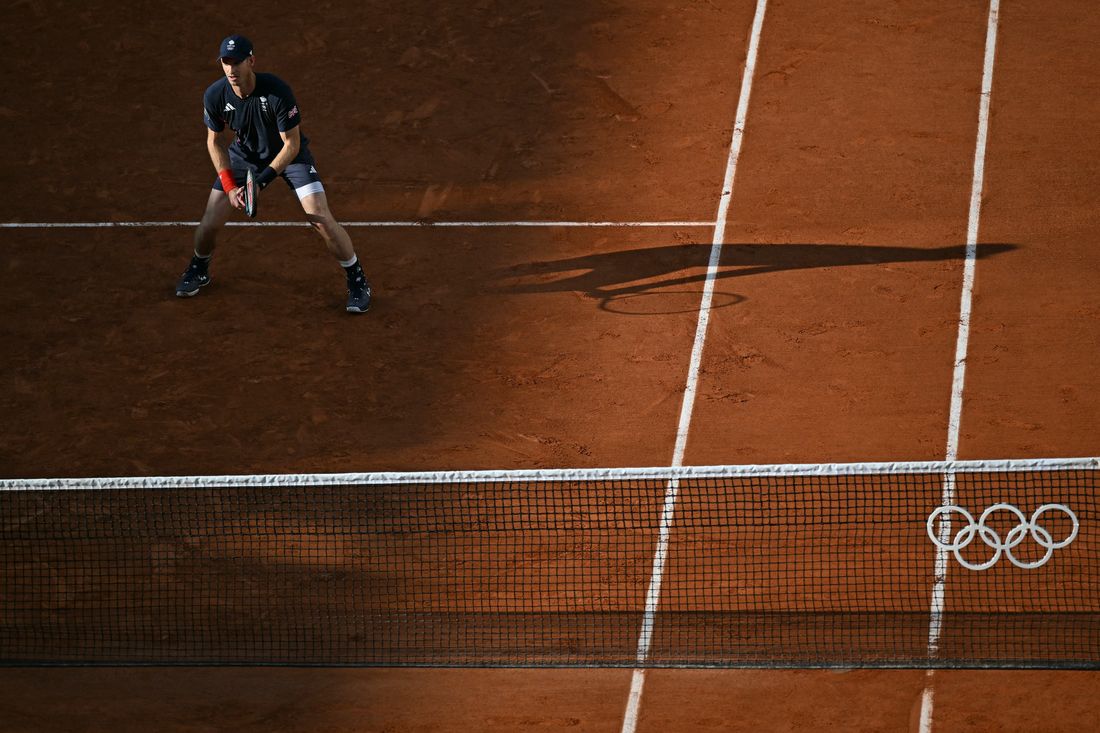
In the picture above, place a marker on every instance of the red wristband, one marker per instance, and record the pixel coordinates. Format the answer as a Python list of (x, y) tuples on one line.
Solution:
[(228, 184)]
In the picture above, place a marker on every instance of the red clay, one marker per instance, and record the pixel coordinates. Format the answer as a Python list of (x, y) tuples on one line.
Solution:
[(860, 135)]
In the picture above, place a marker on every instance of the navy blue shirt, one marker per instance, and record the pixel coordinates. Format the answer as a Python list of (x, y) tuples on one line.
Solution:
[(257, 119)]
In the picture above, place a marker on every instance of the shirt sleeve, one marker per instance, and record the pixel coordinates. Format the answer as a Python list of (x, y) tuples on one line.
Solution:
[(210, 113), (286, 109)]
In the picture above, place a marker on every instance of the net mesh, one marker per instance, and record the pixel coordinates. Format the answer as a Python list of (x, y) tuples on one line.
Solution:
[(734, 566)]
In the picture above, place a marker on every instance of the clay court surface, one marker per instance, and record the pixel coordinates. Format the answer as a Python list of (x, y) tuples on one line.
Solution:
[(832, 333)]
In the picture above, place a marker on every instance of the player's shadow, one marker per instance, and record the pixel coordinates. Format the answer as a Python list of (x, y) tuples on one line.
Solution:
[(607, 276)]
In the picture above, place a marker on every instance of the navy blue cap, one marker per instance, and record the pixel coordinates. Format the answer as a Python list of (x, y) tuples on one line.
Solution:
[(237, 48)]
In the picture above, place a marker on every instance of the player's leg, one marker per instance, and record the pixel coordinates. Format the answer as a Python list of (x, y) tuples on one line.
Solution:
[(338, 242), (324, 223), (197, 274), (218, 210), (303, 178)]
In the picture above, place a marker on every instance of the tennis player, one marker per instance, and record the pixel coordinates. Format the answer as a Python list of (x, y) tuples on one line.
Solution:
[(260, 111)]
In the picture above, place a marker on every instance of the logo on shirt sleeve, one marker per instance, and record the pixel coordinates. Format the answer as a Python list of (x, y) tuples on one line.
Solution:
[(293, 111)]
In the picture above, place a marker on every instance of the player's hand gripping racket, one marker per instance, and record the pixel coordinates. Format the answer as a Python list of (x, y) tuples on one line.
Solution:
[(251, 194)]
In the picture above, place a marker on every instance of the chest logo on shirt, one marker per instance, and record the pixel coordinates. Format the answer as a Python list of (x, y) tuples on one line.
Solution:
[(263, 103), (228, 107)]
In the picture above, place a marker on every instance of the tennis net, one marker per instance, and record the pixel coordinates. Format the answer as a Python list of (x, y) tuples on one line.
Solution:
[(965, 564)]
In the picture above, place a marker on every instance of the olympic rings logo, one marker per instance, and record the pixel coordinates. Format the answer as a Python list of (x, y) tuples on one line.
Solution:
[(990, 537)]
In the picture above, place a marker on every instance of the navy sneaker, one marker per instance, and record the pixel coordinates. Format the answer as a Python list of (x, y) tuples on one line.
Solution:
[(359, 294), (195, 277)]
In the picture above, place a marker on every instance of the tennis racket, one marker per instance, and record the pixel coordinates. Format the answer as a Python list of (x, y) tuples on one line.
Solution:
[(251, 194)]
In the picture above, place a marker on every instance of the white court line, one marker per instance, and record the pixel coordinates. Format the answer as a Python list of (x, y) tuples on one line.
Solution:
[(955, 419), (653, 595), (392, 224)]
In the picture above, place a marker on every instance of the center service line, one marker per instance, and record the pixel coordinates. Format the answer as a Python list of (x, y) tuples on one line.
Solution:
[(955, 419), (653, 595)]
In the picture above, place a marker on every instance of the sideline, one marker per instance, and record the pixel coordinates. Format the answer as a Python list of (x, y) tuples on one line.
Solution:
[(965, 304), (653, 595)]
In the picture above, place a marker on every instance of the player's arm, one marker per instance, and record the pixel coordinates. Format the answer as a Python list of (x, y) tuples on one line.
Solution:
[(292, 145), (217, 144)]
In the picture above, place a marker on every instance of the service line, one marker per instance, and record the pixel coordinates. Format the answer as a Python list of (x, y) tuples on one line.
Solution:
[(653, 594), (955, 417), (397, 224)]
